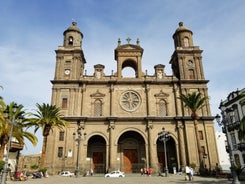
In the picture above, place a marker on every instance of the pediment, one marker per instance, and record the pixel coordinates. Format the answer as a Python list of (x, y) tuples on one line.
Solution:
[(97, 94), (161, 94), (129, 47)]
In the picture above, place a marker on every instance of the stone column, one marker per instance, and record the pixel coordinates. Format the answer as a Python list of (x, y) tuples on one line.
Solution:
[(151, 148), (182, 152), (112, 152)]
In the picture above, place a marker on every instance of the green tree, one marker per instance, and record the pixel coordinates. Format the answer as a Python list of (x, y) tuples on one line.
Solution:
[(47, 117), (19, 130), (194, 101)]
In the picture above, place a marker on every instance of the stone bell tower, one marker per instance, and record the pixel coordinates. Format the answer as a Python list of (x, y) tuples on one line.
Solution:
[(69, 57), (186, 60), (129, 55)]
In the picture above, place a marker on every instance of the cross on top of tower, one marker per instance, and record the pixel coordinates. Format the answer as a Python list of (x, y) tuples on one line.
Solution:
[(128, 40)]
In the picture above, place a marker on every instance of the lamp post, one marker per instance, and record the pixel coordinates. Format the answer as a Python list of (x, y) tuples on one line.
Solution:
[(164, 136), (224, 123), (12, 124), (78, 139)]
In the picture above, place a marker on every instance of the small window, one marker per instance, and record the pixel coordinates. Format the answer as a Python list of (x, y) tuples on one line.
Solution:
[(200, 135), (61, 136), (233, 138), (64, 103), (191, 74), (60, 152), (202, 150), (186, 42), (70, 41), (237, 160)]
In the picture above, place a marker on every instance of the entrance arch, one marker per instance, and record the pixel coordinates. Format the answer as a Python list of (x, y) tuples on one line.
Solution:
[(171, 155), (131, 146), (96, 153)]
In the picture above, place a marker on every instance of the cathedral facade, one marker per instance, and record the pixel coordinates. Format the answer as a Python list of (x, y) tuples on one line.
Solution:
[(115, 120)]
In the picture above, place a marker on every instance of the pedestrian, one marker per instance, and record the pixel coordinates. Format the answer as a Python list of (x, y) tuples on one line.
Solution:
[(191, 174), (141, 171), (91, 172), (149, 171), (187, 172), (217, 170)]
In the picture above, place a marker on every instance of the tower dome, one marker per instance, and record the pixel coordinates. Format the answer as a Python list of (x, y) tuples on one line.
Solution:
[(72, 36), (183, 36)]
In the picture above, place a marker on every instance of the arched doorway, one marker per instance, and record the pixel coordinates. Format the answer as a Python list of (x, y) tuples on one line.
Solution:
[(171, 155), (131, 147), (96, 154)]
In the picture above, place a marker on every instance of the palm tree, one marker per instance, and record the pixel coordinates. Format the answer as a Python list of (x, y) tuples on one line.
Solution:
[(194, 101), (18, 132), (47, 117)]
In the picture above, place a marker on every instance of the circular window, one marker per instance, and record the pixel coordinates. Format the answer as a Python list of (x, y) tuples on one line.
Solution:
[(130, 100)]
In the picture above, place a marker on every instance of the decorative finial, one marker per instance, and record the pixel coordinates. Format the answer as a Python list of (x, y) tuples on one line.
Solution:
[(118, 42), (181, 24), (74, 23), (128, 40), (138, 42)]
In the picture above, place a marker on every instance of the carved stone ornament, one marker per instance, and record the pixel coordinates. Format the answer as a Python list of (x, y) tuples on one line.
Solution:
[(130, 101)]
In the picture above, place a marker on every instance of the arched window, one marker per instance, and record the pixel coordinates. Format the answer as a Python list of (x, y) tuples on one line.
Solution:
[(97, 108), (191, 74), (70, 41), (162, 108), (186, 42)]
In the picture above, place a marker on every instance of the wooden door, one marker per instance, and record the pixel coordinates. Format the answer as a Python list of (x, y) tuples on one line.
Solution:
[(130, 157), (97, 164), (161, 160)]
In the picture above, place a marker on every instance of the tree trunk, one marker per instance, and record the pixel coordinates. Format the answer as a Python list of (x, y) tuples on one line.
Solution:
[(198, 142), (2, 148), (42, 164), (4, 142)]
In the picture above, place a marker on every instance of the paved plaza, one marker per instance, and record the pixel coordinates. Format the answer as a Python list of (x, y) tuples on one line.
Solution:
[(129, 179)]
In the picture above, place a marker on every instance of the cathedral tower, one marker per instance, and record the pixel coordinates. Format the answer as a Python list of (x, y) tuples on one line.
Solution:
[(69, 57)]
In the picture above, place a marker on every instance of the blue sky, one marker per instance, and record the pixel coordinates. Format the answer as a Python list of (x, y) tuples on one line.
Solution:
[(32, 30)]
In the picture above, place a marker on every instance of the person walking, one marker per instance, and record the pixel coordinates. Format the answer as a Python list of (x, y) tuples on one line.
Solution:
[(187, 172), (91, 172)]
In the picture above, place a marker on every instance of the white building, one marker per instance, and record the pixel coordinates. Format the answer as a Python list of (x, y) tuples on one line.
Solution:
[(233, 111), (224, 160)]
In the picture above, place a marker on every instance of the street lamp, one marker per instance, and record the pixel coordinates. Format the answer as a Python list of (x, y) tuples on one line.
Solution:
[(164, 136), (224, 123), (78, 139), (12, 124)]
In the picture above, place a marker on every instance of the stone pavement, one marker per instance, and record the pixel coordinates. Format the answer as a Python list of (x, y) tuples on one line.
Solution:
[(129, 179)]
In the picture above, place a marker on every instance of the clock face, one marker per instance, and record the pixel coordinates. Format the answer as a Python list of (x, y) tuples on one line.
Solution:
[(130, 101), (190, 63), (67, 72)]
